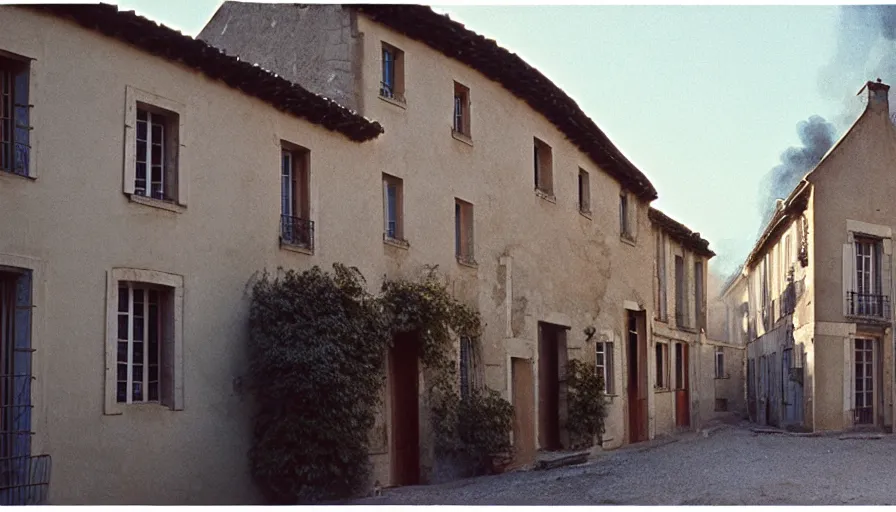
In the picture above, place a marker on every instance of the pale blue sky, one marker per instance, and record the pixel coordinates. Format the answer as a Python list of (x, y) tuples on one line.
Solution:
[(703, 99)]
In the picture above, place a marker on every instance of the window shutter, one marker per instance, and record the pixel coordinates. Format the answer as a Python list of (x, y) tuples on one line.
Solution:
[(21, 120), (172, 148), (849, 274), (633, 218), (171, 374), (166, 370), (610, 385), (130, 140)]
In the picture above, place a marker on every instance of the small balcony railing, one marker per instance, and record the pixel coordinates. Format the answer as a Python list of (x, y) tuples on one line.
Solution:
[(297, 231), (388, 91), (868, 305)]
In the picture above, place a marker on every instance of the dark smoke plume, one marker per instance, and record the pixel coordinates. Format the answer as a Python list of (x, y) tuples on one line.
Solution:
[(817, 136)]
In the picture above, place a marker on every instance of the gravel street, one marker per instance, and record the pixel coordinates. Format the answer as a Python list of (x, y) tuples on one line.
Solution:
[(733, 466)]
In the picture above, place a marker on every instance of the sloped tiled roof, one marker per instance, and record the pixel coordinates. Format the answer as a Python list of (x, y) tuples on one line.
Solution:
[(514, 74), (252, 80), (680, 233)]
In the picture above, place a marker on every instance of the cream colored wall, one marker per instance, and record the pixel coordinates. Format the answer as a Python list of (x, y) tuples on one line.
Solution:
[(564, 268), (76, 222), (561, 267)]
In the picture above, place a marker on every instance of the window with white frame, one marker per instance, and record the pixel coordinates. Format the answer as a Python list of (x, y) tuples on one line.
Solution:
[(720, 363), (461, 119), (141, 322), (154, 173), (144, 344), (604, 364), (156, 161), (867, 299)]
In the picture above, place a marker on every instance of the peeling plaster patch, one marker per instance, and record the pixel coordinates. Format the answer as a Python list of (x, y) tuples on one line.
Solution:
[(518, 318)]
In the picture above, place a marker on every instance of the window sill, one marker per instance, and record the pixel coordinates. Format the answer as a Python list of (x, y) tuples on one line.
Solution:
[(466, 139), (121, 408), (585, 213), (296, 248), (157, 203), (396, 242), (546, 196), (470, 263), (661, 390), (726, 377), (398, 103), (626, 239), (14, 176)]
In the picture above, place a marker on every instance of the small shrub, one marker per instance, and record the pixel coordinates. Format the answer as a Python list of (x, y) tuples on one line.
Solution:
[(587, 404)]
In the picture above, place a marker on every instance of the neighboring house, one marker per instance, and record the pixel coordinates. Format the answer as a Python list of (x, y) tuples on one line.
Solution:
[(690, 372), (813, 298), (140, 192)]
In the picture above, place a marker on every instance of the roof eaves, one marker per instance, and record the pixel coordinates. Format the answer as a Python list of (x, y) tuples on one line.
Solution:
[(251, 79), (681, 233), (454, 40)]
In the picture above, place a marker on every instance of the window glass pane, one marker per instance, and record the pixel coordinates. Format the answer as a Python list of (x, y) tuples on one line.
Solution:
[(153, 391), (137, 374), (138, 392), (122, 356), (138, 353), (122, 327), (121, 394), (122, 375)]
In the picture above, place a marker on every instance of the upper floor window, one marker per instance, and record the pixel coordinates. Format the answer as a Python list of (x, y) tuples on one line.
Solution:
[(661, 276), (296, 226), (543, 166), (681, 305), (699, 298), (866, 297), (156, 162), (626, 217), (392, 85), (584, 192), (463, 232), (15, 148), (393, 209), (154, 173), (461, 120)]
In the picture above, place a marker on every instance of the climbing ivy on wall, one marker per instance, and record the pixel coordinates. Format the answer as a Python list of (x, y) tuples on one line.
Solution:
[(317, 347), (318, 342), (587, 404)]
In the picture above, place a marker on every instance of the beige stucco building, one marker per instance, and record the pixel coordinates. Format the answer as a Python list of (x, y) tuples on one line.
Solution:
[(813, 300), (133, 244)]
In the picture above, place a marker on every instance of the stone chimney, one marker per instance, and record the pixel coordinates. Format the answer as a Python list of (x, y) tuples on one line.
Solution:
[(877, 96)]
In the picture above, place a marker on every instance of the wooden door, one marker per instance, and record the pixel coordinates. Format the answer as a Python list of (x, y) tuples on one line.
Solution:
[(637, 378), (523, 398), (548, 388), (682, 392), (403, 369)]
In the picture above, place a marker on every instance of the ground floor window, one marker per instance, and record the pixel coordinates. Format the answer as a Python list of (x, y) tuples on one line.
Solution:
[(662, 365), (604, 363)]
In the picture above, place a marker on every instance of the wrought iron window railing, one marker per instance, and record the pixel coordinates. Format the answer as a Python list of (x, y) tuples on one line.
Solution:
[(868, 305), (297, 231), (388, 91), (24, 480)]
